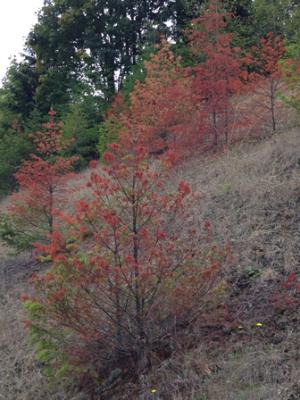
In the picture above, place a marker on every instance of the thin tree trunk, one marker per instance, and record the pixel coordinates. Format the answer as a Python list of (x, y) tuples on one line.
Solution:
[(272, 101), (51, 206), (141, 340), (226, 126), (215, 142)]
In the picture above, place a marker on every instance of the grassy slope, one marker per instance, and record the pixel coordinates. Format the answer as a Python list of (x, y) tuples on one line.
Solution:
[(252, 195)]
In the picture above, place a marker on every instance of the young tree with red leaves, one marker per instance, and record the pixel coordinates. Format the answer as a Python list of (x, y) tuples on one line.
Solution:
[(129, 270), (161, 111), (50, 140), (161, 108), (43, 186), (218, 77), (267, 80)]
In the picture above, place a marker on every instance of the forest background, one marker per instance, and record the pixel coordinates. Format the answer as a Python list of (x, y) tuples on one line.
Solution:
[(81, 53)]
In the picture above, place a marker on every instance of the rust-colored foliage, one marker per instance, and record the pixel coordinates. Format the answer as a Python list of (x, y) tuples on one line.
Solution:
[(287, 296), (267, 80), (42, 182), (219, 77), (50, 141), (160, 110), (130, 268), (200, 107)]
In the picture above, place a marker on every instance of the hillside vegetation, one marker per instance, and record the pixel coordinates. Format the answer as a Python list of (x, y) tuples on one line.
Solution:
[(251, 195), (150, 238), (80, 54)]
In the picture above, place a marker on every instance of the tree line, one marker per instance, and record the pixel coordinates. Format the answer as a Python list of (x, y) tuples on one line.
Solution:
[(81, 53)]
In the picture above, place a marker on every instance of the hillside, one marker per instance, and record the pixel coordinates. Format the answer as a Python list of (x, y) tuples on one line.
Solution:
[(251, 194)]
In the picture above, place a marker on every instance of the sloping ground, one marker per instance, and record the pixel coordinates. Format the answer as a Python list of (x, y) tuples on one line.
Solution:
[(252, 196)]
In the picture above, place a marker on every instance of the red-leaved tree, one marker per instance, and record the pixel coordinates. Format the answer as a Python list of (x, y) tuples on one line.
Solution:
[(267, 80), (43, 186), (160, 108), (129, 270), (219, 76)]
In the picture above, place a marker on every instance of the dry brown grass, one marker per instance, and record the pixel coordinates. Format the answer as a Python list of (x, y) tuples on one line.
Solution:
[(249, 373), (20, 376), (252, 196), (245, 372)]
